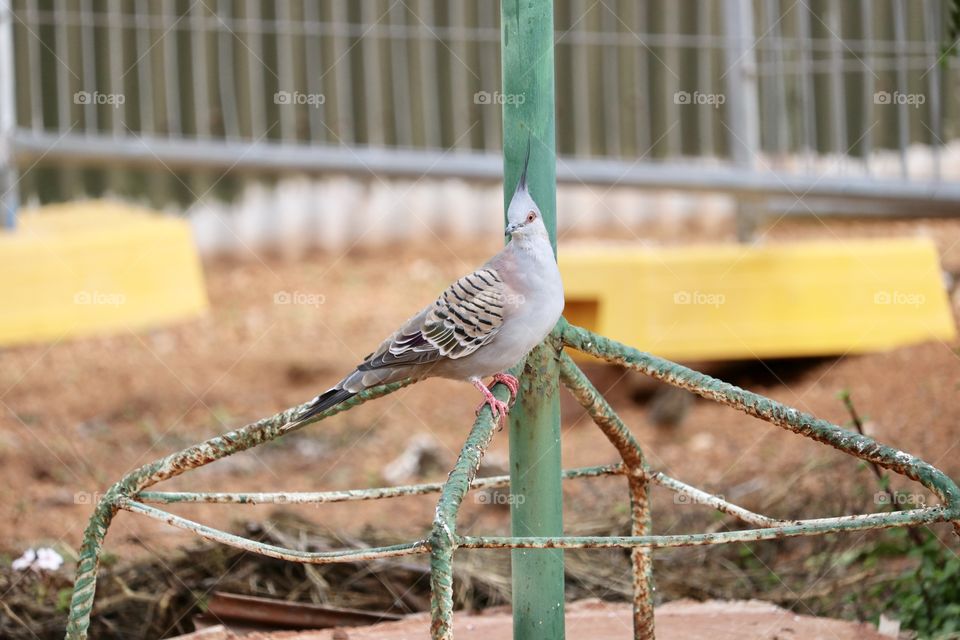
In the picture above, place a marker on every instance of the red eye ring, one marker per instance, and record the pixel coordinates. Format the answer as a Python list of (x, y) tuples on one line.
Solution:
[(531, 216)]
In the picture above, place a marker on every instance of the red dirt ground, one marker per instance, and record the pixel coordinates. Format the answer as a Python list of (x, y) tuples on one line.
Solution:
[(77, 414), (678, 620)]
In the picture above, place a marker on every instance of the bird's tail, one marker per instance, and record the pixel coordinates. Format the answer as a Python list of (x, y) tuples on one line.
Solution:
[(324, 401)]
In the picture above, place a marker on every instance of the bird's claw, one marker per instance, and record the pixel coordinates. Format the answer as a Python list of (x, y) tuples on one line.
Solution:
[(499, 408), (510, 382)]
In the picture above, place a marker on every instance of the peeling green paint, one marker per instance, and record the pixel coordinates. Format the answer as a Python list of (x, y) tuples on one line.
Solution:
[(128, 494)]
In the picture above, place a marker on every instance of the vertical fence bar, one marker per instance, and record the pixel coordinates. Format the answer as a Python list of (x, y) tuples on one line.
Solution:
[(489, 57), (610, 52), (345, 128), (932, 36), (778, 117), (61, 47), (903, 119), (705, 74), (255, 69), (838, 96), (427, 58), (372, 74), (117, 64), (147, 122), (150, 89), (741, 100), (581, 69), (869, 84), (289, 113), (399, 47), (641, 90), (528, 69), (805, 78), (89, 66), (65, 24), (741, 82), (117, 178), (171, 65), (35, 66), (313, 53), (226, 80), (8, 118), (459, 68), (670, 26)]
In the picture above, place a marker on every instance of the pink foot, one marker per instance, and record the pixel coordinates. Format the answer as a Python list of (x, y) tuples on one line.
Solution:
[(512, 383), (499, 408)]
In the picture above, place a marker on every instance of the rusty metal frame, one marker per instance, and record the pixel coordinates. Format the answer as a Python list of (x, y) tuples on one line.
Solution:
[(130, 494)]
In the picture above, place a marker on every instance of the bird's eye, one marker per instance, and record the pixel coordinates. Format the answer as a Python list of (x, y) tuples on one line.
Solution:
[(531, 216)]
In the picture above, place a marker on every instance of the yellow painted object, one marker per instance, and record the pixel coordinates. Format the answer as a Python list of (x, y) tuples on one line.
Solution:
[(738, 301), (93, 267)]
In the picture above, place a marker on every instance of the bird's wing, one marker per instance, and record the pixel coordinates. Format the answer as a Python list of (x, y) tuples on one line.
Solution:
[(464, 318)]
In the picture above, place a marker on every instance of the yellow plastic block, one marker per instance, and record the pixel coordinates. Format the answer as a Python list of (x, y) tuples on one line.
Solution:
[(93, 267), (777, 300)]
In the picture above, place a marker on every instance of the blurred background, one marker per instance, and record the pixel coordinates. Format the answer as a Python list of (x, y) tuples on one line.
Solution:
[(212, 209), (164, 102)]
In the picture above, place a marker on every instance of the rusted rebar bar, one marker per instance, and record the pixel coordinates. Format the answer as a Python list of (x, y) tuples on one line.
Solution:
[(273, 551), (81, 603), (443, 535), (631, 453), (129, 492), (796, 528), (698, 496), (753, 404), (353, 495)]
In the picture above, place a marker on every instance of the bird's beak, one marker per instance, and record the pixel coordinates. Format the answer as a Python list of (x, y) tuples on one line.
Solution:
[(509, 231)]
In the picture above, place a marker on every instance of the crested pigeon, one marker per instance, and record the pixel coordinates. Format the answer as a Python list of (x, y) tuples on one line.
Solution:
[(480, 326)]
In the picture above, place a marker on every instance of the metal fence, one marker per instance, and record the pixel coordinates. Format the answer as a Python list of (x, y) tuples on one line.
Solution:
[(829, 98), (131, 492)]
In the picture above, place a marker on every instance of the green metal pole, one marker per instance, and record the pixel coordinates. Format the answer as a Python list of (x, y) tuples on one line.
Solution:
[(535, 469)]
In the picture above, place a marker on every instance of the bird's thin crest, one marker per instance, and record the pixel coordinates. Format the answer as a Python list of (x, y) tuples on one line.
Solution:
[(522, 183)]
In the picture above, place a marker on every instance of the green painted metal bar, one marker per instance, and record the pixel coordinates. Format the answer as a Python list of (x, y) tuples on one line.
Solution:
[(630, 451), (804, 424), (695, 495), (800, 528), (251, 435), (443, 537), (526, 44), (698, 496), (352, 495), (444, 540), (270, 550)]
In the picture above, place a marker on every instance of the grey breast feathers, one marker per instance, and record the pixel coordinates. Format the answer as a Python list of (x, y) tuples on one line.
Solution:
[(464, 318)]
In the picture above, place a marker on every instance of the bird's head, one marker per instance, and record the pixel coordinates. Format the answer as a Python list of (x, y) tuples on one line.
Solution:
[(523, 215)]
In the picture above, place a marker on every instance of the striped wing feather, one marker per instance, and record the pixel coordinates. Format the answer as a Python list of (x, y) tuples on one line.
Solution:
[(464, 318)]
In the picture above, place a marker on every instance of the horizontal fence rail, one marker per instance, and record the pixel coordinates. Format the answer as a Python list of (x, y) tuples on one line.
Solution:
[(759, 96)]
